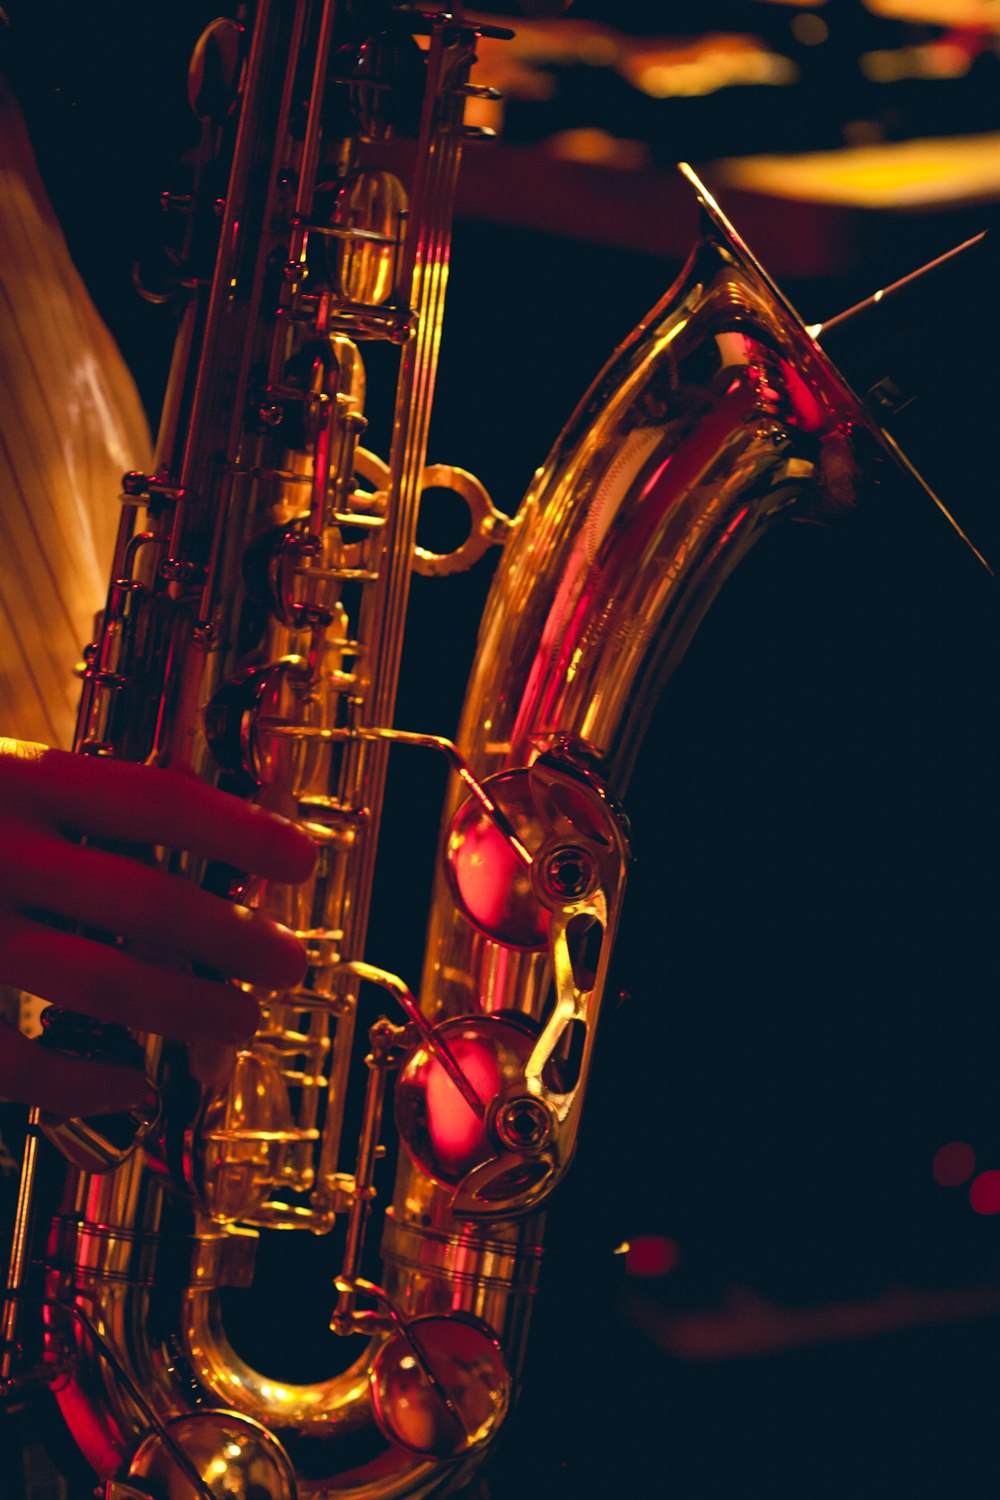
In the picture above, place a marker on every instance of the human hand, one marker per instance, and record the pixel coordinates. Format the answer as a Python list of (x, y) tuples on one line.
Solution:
[(49, 800)]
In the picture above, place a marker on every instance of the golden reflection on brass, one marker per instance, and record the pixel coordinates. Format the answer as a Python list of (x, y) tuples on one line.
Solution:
[(717, 417)]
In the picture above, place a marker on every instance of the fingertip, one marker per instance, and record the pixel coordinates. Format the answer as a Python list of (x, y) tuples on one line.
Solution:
[(212, 1063), (289, 960), (240, 1021), (294, 851)]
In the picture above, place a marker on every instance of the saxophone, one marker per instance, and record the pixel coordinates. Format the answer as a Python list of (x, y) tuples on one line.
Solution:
[(253, 634)]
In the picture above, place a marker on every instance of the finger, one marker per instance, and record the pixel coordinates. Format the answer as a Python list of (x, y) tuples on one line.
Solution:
[(211, 1063), (65, 1085), (144, 904), (110, 985), (110, 799)]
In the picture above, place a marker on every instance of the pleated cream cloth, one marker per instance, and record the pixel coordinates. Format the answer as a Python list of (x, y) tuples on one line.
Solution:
[(71, 424)]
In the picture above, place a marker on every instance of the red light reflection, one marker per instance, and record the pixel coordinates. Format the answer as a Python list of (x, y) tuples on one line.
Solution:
[(651, 1255), (92, 1430), (457, 1134), (984, 1193), (953, 1164)]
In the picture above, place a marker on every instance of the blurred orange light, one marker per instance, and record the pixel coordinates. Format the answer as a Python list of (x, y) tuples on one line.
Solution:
[(810, 30)]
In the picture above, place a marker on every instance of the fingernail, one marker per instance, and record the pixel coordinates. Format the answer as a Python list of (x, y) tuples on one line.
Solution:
[(210, 1062)]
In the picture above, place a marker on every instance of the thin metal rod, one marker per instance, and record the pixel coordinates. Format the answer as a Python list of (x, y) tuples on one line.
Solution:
[(446, 748), (430, 1035), (147, 1409), (364, 1179), (915, 473), (17, 1275)]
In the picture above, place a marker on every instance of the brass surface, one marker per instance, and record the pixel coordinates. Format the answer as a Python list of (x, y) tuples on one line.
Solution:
[(716, 418)]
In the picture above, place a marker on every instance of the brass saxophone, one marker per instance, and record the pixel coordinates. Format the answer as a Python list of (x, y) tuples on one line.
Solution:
[(253, 633)]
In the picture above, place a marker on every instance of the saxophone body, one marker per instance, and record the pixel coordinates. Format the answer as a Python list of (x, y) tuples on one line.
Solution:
[(253, 634)]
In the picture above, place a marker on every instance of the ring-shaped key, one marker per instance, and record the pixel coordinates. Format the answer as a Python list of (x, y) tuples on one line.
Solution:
[(488, 526)]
